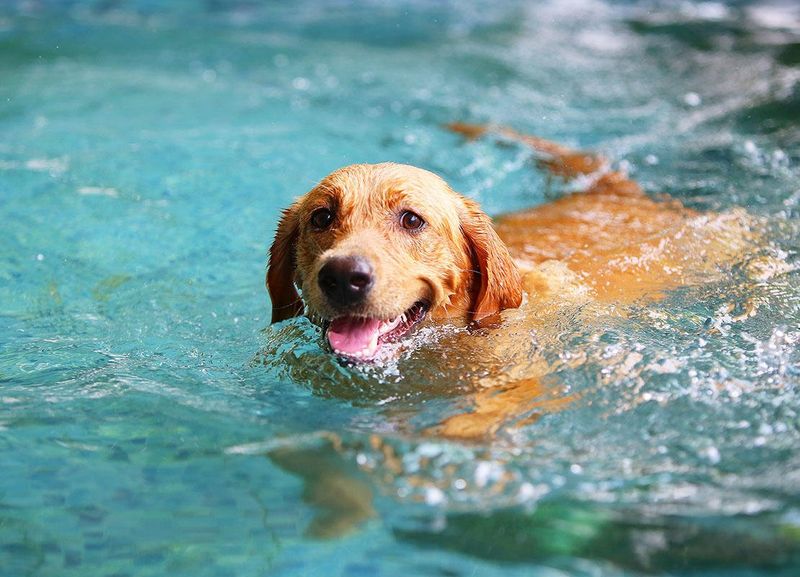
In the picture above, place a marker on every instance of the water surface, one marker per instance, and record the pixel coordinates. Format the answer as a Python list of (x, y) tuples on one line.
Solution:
[(146, 150)]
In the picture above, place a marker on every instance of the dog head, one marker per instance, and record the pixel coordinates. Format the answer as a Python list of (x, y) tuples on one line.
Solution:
[(376, 248)]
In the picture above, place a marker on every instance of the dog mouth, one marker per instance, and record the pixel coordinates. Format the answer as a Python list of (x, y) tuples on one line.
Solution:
[(357, 337)]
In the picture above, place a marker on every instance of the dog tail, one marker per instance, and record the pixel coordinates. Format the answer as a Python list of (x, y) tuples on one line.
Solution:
[(558, 159)]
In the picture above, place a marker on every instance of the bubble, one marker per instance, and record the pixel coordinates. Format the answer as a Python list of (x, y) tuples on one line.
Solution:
[(434, 496), (692, 99), (301, 83)]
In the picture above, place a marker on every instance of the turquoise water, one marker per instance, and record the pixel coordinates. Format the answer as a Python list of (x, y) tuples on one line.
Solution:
[(146, 149)]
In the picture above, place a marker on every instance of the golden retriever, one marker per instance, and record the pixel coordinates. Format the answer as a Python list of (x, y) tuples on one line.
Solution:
[(376, 249)]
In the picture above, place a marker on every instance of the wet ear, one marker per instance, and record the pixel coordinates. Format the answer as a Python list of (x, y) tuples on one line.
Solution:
[(286, 302), (497, 284)]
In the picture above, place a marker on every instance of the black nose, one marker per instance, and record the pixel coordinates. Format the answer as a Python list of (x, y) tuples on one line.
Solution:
[(346, 280)]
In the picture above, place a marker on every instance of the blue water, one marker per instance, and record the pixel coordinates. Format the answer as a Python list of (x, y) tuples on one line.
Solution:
[(146, 149)]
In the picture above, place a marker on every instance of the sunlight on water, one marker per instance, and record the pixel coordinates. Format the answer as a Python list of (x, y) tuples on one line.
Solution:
[(152, 422)]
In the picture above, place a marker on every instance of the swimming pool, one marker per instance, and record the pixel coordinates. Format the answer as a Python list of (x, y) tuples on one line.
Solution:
[(146, 149)]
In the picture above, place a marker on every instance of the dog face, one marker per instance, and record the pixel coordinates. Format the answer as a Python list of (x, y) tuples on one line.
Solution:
[(375, 249)]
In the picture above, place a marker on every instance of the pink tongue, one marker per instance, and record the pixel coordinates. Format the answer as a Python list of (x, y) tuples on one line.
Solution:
[(352, 335)]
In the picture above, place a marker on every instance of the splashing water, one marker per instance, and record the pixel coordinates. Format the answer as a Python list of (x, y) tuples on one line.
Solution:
[(152, 422)]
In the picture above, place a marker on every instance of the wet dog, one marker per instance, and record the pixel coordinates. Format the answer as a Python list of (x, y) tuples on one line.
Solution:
[(376, 250)]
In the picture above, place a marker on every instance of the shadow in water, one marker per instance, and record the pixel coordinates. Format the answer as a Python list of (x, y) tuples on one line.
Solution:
[(559, 530)]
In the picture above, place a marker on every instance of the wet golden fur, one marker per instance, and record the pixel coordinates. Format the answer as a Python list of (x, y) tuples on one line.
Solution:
[(611, 242), (608, 246), (596, 252)]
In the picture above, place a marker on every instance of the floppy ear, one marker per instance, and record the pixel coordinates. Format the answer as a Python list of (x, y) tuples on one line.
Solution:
[(498, 284), (286, 302)]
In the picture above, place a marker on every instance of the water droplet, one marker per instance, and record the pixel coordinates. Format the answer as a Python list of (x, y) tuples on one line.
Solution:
[(692, 99)]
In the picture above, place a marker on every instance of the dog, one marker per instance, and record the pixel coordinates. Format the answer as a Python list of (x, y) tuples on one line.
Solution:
[(378, 250)]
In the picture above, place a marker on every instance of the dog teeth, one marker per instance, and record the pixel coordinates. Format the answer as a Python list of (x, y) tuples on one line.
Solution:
[(363, 353)]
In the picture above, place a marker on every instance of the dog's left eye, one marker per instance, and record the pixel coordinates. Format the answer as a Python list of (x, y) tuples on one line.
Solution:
[(411, 221)]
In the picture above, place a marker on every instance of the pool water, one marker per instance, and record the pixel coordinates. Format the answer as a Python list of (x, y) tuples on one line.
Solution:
[(146, 150)]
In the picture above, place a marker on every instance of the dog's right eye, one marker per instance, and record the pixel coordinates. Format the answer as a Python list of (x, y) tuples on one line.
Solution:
[(321, 218)]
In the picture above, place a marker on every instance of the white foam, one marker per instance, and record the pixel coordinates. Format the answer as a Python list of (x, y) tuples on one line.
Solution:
[(98, 191)]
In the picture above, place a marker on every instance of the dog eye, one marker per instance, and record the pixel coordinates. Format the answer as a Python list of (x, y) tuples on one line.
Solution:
[(321, 218), (411, 221)]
